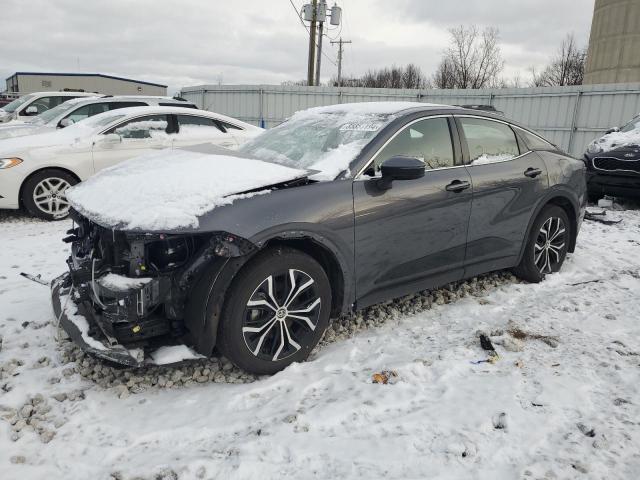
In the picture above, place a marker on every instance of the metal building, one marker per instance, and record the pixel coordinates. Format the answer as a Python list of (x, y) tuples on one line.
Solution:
[(27, 82), (614, 44), (571, 117)]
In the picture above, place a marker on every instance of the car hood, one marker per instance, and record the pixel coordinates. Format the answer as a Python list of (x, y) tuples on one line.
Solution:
[(619, 142), (171, 189), (22, 129), (44, 138)]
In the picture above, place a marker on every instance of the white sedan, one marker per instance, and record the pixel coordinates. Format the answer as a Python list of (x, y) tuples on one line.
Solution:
[(36, 170)]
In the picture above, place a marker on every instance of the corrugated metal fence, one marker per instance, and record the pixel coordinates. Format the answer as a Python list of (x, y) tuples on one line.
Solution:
[(568, 116)]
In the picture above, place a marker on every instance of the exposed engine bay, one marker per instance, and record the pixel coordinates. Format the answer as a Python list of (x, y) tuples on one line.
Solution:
[(132, 288)]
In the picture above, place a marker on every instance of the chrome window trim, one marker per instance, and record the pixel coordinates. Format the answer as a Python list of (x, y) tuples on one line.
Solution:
[(358, 176)]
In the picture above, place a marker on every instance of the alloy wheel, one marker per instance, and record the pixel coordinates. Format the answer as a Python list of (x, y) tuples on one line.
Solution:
[(281, 315), (49, 196), (548, 249)]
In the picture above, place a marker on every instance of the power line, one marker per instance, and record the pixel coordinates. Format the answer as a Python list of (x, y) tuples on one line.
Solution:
[(293, 5)]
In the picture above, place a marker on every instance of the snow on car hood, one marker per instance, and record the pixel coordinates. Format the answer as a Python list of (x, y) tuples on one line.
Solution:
[(21, 130), (46, 138), (170, 189), (614, 140)]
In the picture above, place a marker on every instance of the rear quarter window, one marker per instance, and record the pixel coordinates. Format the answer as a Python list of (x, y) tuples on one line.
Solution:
[(534, 142)]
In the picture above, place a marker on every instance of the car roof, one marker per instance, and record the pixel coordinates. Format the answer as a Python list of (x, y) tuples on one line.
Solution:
[(66, 94), (379, 108), (129, 98), (150, 110)]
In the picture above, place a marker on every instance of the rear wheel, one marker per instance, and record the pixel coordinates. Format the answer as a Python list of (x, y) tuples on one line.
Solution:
[(277, 310), (43, 194), (546, 246)]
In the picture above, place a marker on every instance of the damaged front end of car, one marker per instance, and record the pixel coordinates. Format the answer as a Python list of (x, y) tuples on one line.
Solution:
[(126, 293)]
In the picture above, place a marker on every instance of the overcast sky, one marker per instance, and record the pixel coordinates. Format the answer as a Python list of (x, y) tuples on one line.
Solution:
[(255, 41)]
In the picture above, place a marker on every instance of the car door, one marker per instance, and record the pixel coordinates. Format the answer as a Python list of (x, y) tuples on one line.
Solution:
[(137, 136), (197, 129), (507, 182), (412, 236)]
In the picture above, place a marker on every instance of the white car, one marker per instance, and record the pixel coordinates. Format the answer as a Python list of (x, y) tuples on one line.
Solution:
[(33, 104), (77, 109), (36, 170)]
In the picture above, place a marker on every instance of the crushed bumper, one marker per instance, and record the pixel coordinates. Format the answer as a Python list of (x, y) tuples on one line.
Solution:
[(77, 326)]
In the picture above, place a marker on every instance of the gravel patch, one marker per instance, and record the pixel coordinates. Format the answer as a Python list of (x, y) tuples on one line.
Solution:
[(126, 381)]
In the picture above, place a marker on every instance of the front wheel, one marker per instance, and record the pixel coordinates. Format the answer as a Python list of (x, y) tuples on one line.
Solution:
[(43, 194), (278, 307), (546, 246)]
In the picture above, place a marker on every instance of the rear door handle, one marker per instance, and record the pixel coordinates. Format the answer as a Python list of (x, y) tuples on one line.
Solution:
[(532, 172), (457, 186)]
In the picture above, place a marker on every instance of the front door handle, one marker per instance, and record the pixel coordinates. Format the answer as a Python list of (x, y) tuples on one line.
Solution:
[(532, 172), (457, 186)]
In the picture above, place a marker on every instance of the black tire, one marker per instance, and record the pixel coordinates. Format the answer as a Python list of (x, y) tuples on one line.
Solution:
[(543, 255), (246, 319), (51, 207)]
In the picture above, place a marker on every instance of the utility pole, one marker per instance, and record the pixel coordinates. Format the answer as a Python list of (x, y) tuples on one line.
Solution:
[(312, 42), (321, 18), (340, 44), (316, 14), (319, 53)]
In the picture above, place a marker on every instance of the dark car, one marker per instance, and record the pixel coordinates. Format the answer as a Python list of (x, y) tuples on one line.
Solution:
[(613, 162), (393, 198)]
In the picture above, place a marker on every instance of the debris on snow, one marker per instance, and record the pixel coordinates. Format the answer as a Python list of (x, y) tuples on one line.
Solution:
[(385, 377)]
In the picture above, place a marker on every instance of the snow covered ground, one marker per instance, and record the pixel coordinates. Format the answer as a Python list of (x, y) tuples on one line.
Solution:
[(562, 400)]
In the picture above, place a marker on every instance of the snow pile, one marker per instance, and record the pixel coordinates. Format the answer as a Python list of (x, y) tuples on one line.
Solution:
[(173, 354), (487, 158), (614, 140), (170, 189), (120, 283)]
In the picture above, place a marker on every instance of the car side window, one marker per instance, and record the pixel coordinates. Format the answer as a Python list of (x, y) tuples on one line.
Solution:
[(87, 111), (150, 126), (428, 140), (533, 142), (489, 141), (196, 124), (45, 103)]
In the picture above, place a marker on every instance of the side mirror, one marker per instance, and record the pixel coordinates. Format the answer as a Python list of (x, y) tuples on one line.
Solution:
[(31, 110), (400, 168), (65, 122), (110, 139), (611, 130)]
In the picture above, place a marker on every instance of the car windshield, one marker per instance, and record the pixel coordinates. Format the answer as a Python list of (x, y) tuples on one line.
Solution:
[(326, 142), (632, 125), (53, 113), (11, 107)]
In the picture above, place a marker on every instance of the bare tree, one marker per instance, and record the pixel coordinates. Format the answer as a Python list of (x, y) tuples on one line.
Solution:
[(473, 60), (410, 76), (566, 67), (445, 76)]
